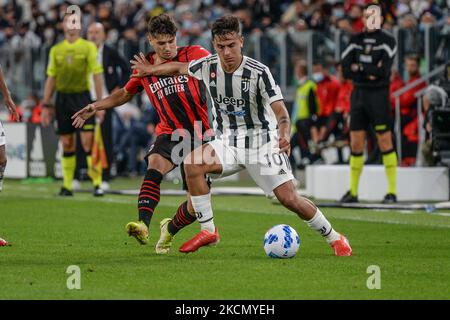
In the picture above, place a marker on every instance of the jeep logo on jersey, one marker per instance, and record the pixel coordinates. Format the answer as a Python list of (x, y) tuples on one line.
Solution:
[(233, 101)]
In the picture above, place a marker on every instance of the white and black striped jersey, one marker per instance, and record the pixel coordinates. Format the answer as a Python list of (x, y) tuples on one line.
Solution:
[(241, 100)]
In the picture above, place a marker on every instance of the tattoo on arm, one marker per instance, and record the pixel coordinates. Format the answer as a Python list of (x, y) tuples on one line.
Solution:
[(283, 120)]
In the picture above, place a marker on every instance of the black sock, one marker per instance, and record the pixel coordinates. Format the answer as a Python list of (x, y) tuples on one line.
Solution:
[(181, 219), (149, 195)]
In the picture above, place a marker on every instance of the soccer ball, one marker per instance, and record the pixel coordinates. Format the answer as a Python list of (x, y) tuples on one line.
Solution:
[(281, 241)]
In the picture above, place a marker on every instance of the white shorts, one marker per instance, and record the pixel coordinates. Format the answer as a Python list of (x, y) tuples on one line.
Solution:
[(267, 167), (2, 135)]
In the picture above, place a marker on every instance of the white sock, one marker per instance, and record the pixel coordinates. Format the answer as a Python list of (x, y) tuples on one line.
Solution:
[(203, 211), (323, 226), (2, 171)]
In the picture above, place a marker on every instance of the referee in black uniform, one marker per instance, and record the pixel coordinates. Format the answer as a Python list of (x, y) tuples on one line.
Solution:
[(367, 61)]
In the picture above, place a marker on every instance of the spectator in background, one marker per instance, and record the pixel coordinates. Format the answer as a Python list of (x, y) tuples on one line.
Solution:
[(29, 110), (25, 38), (134, 134), (344, 24), (436, 97), (337, 123), (409, 32), (316, 21), (304, 113), (124, 119), (327, 93), (443, 51), (356, 18), (408, 109), (295, 12), (116, 74)]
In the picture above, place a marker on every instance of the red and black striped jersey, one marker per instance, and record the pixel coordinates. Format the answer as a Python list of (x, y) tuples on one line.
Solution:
[(180, 100)]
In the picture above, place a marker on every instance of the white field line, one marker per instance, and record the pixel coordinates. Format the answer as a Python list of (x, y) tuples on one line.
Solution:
[(243, 210)]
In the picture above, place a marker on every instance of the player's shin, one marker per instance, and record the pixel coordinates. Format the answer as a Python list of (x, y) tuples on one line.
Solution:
[(2, 171), (68, 163), (203, 211), (181, 219), (390, 165), (356, 167), (94, 172), (149, 195), (320, 224)]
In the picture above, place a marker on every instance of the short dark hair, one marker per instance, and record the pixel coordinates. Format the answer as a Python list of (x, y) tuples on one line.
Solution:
[(162, 25), (414, 57), (225, 25)]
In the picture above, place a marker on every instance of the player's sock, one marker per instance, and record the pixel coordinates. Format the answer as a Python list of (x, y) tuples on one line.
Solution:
[(2, 171), (356, 166), (203, 211), (68, 164), (93, 173), (149, 195), (181, 219), (390, 165), (323, 226)]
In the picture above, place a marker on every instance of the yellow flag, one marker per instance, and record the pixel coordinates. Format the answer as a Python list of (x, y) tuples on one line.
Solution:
[(99, 160)]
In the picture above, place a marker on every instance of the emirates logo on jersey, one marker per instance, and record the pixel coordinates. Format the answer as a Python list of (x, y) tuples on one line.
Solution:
[(168, 85)]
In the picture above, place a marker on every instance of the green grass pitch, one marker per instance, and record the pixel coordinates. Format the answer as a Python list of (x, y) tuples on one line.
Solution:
[(48, 234)]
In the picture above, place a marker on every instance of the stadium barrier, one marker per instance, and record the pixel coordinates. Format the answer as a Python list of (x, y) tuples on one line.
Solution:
[(32, 151), (413, 183)]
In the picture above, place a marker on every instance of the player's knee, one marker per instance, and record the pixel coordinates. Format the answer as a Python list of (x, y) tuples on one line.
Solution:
[(87, 146), (3, 160), (288, 199), (68, 145), (357, 146), (193, 170), (385, 142)]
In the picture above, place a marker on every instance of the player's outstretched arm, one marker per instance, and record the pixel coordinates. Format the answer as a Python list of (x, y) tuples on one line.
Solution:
[(9, 103), (284, 126), (143, 68), (116, 99)]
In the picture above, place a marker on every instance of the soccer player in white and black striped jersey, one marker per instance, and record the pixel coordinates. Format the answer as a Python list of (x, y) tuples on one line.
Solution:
[(252, 132)]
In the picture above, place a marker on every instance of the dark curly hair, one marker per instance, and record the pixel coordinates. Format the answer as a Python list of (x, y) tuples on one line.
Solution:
[(162, 25), (225, 25)]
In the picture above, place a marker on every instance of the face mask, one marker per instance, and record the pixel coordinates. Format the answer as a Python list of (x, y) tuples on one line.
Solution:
[(338, 13), (187, 25), (422, 26), (402, 9), (48, 34), (51, 15), (27, 114), (317, 76)]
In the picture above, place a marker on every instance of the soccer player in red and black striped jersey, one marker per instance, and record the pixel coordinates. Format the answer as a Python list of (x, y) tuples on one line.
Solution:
[(181, 105)]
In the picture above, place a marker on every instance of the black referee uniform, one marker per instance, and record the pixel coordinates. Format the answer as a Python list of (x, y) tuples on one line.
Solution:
[(373, 53), (367, 61)]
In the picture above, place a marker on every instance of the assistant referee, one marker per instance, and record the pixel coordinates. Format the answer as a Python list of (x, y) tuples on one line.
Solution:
[(367, 61), (71, 62)]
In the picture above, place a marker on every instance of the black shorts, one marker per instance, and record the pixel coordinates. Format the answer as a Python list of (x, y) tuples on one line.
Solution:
[(66, 105), (164, 146), (370, 107), (320, 122)]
